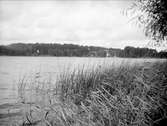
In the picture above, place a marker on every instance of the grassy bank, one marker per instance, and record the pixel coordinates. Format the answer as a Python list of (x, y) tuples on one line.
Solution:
[(128, 95)]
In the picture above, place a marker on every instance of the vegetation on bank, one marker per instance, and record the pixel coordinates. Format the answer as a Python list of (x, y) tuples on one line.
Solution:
[(20, 49), (127, 95)]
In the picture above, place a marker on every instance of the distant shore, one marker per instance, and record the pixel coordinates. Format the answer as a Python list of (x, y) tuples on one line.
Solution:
[(71, 50)]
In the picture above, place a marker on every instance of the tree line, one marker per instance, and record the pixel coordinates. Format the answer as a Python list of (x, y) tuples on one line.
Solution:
[(38, 49)]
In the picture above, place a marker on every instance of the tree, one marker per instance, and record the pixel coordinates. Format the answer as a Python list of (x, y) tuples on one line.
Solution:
[(153, 15)]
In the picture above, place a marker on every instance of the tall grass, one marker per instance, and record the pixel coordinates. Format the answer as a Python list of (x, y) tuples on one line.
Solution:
[(128, 95)]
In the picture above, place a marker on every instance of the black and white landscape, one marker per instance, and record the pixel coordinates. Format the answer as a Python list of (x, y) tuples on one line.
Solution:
[(83, 62)]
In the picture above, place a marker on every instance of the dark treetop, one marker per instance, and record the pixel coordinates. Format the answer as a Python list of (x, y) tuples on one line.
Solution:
[(39, 49)]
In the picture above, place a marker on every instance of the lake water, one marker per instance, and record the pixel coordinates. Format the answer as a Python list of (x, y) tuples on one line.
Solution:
[(41, 71), (15, 69)]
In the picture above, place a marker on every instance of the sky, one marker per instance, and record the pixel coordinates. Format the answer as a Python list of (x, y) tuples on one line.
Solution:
[(84, 22)]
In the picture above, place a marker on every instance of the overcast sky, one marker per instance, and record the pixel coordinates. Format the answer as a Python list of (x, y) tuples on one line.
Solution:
[(83, 22)]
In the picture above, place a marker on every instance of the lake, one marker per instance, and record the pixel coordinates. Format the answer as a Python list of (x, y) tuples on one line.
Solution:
[(42, 71), (15, 69)]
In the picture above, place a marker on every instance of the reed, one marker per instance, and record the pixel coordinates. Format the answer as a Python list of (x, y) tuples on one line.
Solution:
[(128, 95)]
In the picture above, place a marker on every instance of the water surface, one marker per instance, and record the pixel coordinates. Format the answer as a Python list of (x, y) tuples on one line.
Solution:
[(15, 69)]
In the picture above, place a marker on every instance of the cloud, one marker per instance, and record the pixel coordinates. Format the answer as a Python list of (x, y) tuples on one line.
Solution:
[(82, 22)]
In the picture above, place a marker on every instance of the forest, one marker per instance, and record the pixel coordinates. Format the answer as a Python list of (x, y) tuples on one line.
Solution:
[(72, 50)]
